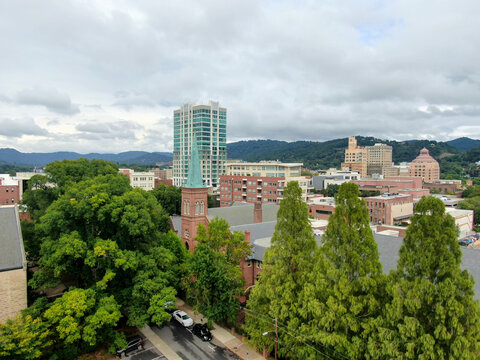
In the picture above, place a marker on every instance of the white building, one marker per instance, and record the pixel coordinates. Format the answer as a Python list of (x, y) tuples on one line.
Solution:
[(143, 180)]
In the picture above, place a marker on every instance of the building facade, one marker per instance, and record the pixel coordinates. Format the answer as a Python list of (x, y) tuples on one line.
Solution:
[(425, 166), (253, 189), (379, 159), (142, 180), (9, 190), (356, 157), (387, 209), (209, 124), (262, 181)]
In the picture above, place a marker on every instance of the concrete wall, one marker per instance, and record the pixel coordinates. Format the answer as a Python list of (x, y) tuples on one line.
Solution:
[(13, 293)]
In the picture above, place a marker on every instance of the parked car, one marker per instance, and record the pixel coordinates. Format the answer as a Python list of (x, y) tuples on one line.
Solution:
[(183, 318), (201, 330), (133, 343), (463, 242)]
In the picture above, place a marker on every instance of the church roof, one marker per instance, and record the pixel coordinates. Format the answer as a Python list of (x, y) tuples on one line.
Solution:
[(243, 213), (194, 178)]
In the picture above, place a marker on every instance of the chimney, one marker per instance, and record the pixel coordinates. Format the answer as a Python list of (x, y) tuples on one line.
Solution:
[(247, 236), (257, 213)]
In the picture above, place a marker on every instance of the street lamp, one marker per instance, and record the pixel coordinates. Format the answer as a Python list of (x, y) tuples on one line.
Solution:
[(276, 336)]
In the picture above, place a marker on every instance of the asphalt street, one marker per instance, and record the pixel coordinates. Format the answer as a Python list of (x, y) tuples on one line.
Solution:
[(189, 346), (149, 352)]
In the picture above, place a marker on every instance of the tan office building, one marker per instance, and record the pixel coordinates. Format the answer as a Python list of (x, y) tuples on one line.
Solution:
[(356, 157), (379, 160)]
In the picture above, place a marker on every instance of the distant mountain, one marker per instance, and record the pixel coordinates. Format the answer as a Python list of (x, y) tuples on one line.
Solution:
[(322, 155), (464, 143), (12, 156)]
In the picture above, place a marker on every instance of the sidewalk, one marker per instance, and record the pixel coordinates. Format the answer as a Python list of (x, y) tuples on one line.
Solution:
[(161, 345), (231, 341)]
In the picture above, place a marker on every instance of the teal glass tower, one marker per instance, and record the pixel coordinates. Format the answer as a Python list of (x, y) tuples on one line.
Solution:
[(208, 123)]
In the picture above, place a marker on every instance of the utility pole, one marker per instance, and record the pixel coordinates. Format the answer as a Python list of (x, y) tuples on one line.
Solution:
[(276, 338)]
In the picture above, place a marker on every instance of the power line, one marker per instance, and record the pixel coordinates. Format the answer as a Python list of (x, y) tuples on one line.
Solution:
[(285, 327)]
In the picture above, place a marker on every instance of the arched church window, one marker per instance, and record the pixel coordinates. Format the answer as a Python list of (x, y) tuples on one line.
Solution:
[(196, 208), (202, 208)]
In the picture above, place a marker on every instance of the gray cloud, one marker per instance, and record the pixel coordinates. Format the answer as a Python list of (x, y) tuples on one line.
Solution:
[(52, 99), (16, 128), (285, 70)]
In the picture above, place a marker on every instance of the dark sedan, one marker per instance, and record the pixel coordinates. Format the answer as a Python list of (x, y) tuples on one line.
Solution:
[(202, 332)]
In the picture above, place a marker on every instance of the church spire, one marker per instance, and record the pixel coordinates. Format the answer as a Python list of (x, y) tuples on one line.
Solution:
[(194, 179)]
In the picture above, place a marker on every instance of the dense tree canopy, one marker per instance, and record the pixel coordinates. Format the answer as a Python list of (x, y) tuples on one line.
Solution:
[(170, 197), (431, 313), (109, 244)]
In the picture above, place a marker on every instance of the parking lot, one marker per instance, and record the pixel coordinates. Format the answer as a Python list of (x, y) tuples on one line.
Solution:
[(149, 352)]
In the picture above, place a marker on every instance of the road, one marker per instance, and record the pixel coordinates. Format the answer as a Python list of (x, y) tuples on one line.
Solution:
[(189, 346), (149, 352)]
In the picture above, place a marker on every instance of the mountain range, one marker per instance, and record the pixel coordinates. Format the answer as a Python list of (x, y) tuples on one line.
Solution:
[(12, 156), (314, 155)]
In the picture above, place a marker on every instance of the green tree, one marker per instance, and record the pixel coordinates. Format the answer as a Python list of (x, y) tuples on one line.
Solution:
[(431, 313), (66, 172), (170, 197), (24, 338), (104, 235), (39, 195), (343, 295), (215, 266), (287, 263)]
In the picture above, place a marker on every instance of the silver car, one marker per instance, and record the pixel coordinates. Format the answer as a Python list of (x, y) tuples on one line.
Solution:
[(183, 318)]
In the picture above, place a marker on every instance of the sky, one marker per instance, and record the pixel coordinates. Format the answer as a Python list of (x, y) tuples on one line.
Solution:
[(106, 76)]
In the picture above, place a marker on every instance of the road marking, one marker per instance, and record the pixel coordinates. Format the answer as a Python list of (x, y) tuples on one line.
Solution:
[(213, 348)]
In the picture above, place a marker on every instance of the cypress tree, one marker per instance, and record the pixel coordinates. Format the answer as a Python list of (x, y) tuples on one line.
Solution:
[(343, 298), (286, 265), (431, 313)]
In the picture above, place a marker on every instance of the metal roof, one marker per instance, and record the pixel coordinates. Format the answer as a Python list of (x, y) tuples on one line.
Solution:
[(12, 255)]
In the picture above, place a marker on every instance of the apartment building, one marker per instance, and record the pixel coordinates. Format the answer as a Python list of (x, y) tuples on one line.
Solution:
[(252, 189), (425, 166), (208, 123), (264, 169)]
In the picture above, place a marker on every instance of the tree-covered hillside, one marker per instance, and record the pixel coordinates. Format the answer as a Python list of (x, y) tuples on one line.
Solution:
[(316, 155)]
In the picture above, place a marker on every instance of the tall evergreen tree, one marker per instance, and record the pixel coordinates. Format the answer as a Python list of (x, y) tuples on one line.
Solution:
[(286, 265), (431, 313), (344, 293)]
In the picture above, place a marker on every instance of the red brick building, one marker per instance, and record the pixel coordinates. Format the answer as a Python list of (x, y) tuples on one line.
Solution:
[(387, 209), (9, 191), (250, 189)]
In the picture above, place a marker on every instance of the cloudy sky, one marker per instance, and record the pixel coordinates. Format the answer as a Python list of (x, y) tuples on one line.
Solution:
[(105, 76)]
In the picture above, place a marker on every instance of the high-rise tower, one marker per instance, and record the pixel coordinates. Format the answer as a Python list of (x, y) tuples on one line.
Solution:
[(209, 124)]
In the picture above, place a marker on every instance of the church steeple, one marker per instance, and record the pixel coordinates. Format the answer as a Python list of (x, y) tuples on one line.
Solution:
[(194, 179), (194, 200)]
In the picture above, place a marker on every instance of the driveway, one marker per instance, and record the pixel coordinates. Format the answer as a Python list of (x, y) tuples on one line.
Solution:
[(189, 346)]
